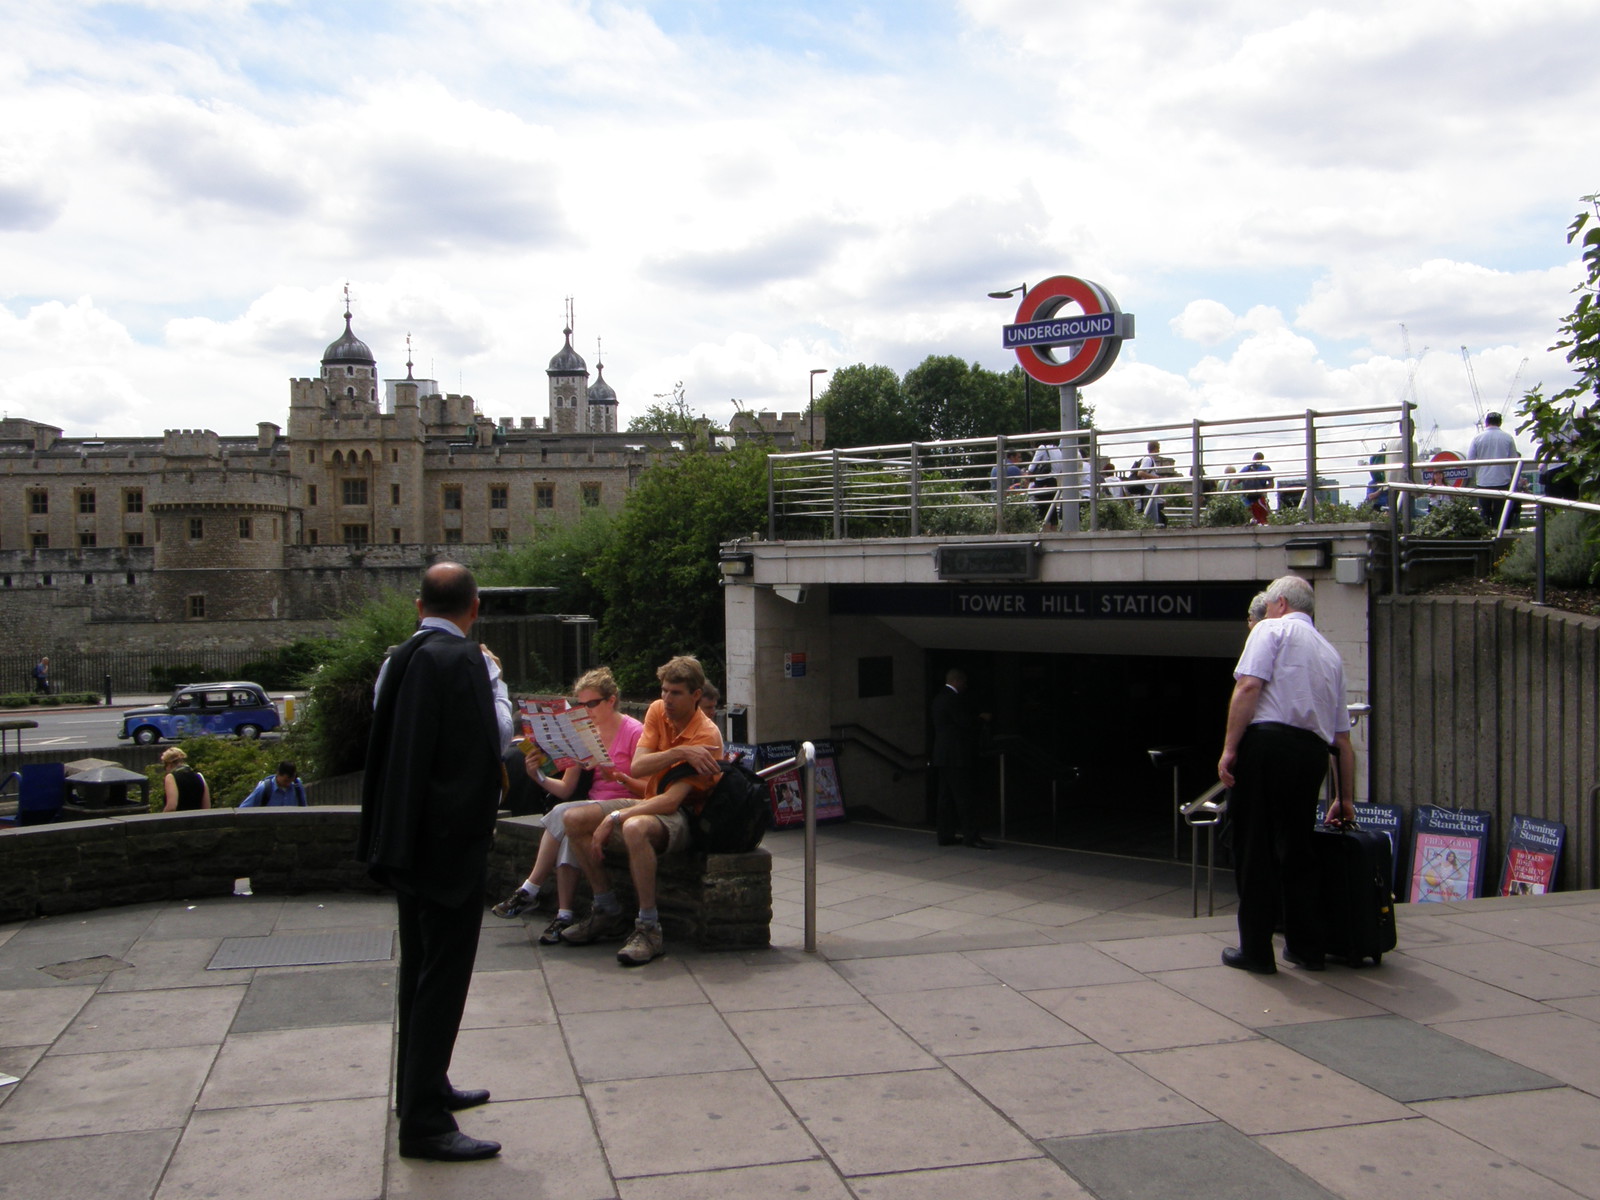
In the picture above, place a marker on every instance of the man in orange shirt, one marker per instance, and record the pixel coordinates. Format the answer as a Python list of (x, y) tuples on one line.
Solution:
[(675, 731)]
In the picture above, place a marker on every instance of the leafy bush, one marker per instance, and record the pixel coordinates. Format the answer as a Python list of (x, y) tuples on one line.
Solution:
[(27, 699), (232, 767), (559, 556), (332, 728), (1328, 512), (287, 667), (1118, 515), (1225, 510), (1571, 553), (1018, 515), (1457, 517), (170, 678)]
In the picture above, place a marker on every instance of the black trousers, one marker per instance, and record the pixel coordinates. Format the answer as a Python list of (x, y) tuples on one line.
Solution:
[(958, 803), (438, 945), (1273, 807)]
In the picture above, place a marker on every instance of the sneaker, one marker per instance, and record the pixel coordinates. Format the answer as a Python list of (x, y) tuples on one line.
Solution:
[(514, 905), (552, 931), (644, 945), (597, 927)]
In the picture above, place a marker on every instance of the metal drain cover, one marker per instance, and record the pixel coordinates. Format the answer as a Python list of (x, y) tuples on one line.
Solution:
[(303, 949)]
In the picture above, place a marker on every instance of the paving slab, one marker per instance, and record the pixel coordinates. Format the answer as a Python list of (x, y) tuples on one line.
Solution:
[(1526, 970), (1144, 1015), (528, 1062), (550, 1153), (151, 1020), (27, 1019), (107, 1166), (1531, 926), (331, 1149), (585, 979), (688, 1039), (173, 963), (1069, 1090), (1559, 1044), (508, 998), (1258, 1001), (1171, 952), (70, 1095), (1416, 988), (221, 917), (1536, 1128), (878, 976), (727, 1119), (1195, 1162), (1028, 1179), (293, 1066), (904, 1120), (783, 981), (1030, 968), (812, 1180), (292, 998), (1407, 1061), (974, 1020), (1409, 1158), (805, 1043)]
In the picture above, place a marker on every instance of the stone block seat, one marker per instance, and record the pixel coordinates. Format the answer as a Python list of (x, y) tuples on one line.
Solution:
[(713, 901)]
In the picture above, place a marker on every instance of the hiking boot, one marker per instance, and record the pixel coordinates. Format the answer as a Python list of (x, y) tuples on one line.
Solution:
[(552, 931), (644, 945), (515, 905), (598, 927)]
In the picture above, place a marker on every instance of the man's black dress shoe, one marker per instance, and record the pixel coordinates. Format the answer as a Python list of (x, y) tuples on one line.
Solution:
[(1305, 964), (454, 1146), (979, 844), (1235, 958), (460, 1098)]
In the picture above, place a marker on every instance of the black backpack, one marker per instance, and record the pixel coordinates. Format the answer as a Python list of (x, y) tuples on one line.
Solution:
[(736, 814)]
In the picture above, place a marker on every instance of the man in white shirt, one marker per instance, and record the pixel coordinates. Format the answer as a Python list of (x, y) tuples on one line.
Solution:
[(1044, 471), (1286, 718), (1493, 442)]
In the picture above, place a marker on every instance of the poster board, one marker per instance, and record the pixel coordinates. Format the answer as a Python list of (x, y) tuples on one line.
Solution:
[(1388, 820), (1533, 855), (1447, 846), (786, 788), (830, 797)]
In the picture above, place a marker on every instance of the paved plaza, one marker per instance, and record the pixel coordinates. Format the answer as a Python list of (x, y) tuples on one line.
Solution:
[(1021, 1023)]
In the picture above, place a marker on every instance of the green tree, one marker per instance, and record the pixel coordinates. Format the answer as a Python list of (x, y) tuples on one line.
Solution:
[(671, 416), (659, 575), (863, 406), (331, 734), (1571, 419), (560, 556), (949, 398)]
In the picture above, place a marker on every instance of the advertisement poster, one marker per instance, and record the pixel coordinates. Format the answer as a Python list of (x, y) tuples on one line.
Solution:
[(1447, 847), (1533, 854), (1385, 819), (784, 787), (830, 799)]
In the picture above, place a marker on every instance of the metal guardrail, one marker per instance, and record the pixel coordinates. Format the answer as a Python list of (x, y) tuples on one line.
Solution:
[(949, 487), (1204, 812), (806, 760)]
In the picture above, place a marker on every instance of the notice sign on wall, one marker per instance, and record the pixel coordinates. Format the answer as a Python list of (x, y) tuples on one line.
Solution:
[(794, 664)]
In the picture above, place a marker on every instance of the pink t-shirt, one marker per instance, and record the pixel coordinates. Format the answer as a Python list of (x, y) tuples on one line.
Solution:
[(621, 751)]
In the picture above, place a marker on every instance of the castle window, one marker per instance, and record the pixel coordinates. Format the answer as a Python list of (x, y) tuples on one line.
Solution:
[(498, 495), (452, 497), (394, 456), (133, 539), (38, 501), (394, 494), (395, 536), (88, 581), (544, 495), (499, 537), (244, 529), (133, 500), (350, 391), (86, 502), (355, 535), (129, 579), (195, 607), (349, 370), (40, 541), (311, 536), (591, 495), (452, 536), (311, 495), (86, 539), (354, 491), (197, 528), (311, 456)]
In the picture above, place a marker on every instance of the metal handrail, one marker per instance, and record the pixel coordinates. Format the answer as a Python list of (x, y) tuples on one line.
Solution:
[(1204, 812), (806, 759)]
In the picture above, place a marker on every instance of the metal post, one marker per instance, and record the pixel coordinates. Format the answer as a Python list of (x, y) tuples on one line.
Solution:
[(1001, 482), (108, 691), (808, 793), (838, 499), (1538, 554), (1308, 499), (916, 493), (1197, 489), (1094, 481), (1002, 760), (772, 503)]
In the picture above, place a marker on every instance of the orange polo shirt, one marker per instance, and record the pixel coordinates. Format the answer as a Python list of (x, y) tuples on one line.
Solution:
[(658, 735)]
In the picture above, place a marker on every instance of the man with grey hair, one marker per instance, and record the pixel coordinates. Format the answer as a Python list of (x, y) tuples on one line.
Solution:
[(1257, 612), (1286, 718)]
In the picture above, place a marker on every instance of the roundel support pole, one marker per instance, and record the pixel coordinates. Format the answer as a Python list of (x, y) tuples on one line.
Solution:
[(1068, 488)]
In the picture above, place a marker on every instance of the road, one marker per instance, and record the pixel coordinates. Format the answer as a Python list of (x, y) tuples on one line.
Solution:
[(81, 729)]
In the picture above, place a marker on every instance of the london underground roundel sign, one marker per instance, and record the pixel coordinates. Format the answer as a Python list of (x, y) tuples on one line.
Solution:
[(1097, 331)]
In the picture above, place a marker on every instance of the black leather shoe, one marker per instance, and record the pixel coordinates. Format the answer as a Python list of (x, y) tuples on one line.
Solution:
[(1305, 964), (460, 1098), (454, 1146), (1235, 958), (979, 844)]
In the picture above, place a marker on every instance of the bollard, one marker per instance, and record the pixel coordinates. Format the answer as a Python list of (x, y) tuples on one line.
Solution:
[(108, 691), (288, 709)]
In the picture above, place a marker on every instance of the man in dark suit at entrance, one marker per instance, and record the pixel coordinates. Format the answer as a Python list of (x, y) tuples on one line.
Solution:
[(955, 755), (441, 719)]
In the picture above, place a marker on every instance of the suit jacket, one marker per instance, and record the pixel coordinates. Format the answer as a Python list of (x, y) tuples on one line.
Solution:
[(955, 729), (432, 785)]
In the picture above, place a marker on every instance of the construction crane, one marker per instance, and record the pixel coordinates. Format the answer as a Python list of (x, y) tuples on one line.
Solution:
[(1511, 391), (1472, 378)]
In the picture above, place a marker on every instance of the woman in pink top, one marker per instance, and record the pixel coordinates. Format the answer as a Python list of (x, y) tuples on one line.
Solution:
[(596, 690)]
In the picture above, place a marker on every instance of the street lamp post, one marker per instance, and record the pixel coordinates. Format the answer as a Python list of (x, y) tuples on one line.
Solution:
[(811, 408), (1027, 380)]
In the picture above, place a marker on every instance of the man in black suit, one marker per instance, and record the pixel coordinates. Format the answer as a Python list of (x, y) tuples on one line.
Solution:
[(441, 718), (955, 754)]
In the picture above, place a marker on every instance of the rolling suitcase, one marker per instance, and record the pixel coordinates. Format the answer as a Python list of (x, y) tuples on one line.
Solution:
[(1357, 903)]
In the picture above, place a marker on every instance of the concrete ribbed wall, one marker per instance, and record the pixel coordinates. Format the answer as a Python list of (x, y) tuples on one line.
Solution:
[(1490, 704)]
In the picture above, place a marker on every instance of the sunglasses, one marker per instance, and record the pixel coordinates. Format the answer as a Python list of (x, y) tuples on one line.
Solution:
[(589, 703)]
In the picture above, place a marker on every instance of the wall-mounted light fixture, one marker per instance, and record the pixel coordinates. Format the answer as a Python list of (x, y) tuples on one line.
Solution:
[(1308, 554), (736, 564)]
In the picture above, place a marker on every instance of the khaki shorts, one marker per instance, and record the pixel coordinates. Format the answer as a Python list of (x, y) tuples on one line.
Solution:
[(676, 824)]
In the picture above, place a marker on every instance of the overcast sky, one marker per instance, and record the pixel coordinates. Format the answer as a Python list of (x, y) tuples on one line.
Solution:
[(736, 192)]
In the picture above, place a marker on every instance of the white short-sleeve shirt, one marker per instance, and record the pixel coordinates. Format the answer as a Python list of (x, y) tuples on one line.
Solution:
[(1303, 673)]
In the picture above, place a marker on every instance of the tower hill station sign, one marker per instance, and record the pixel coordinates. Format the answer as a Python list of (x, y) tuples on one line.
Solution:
[(1097, 332)]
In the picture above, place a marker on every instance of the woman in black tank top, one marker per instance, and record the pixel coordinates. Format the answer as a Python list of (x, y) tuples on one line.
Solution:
[(185, 787)]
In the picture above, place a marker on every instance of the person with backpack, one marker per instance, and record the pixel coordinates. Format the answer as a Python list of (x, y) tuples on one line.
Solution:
[(283, 790)]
